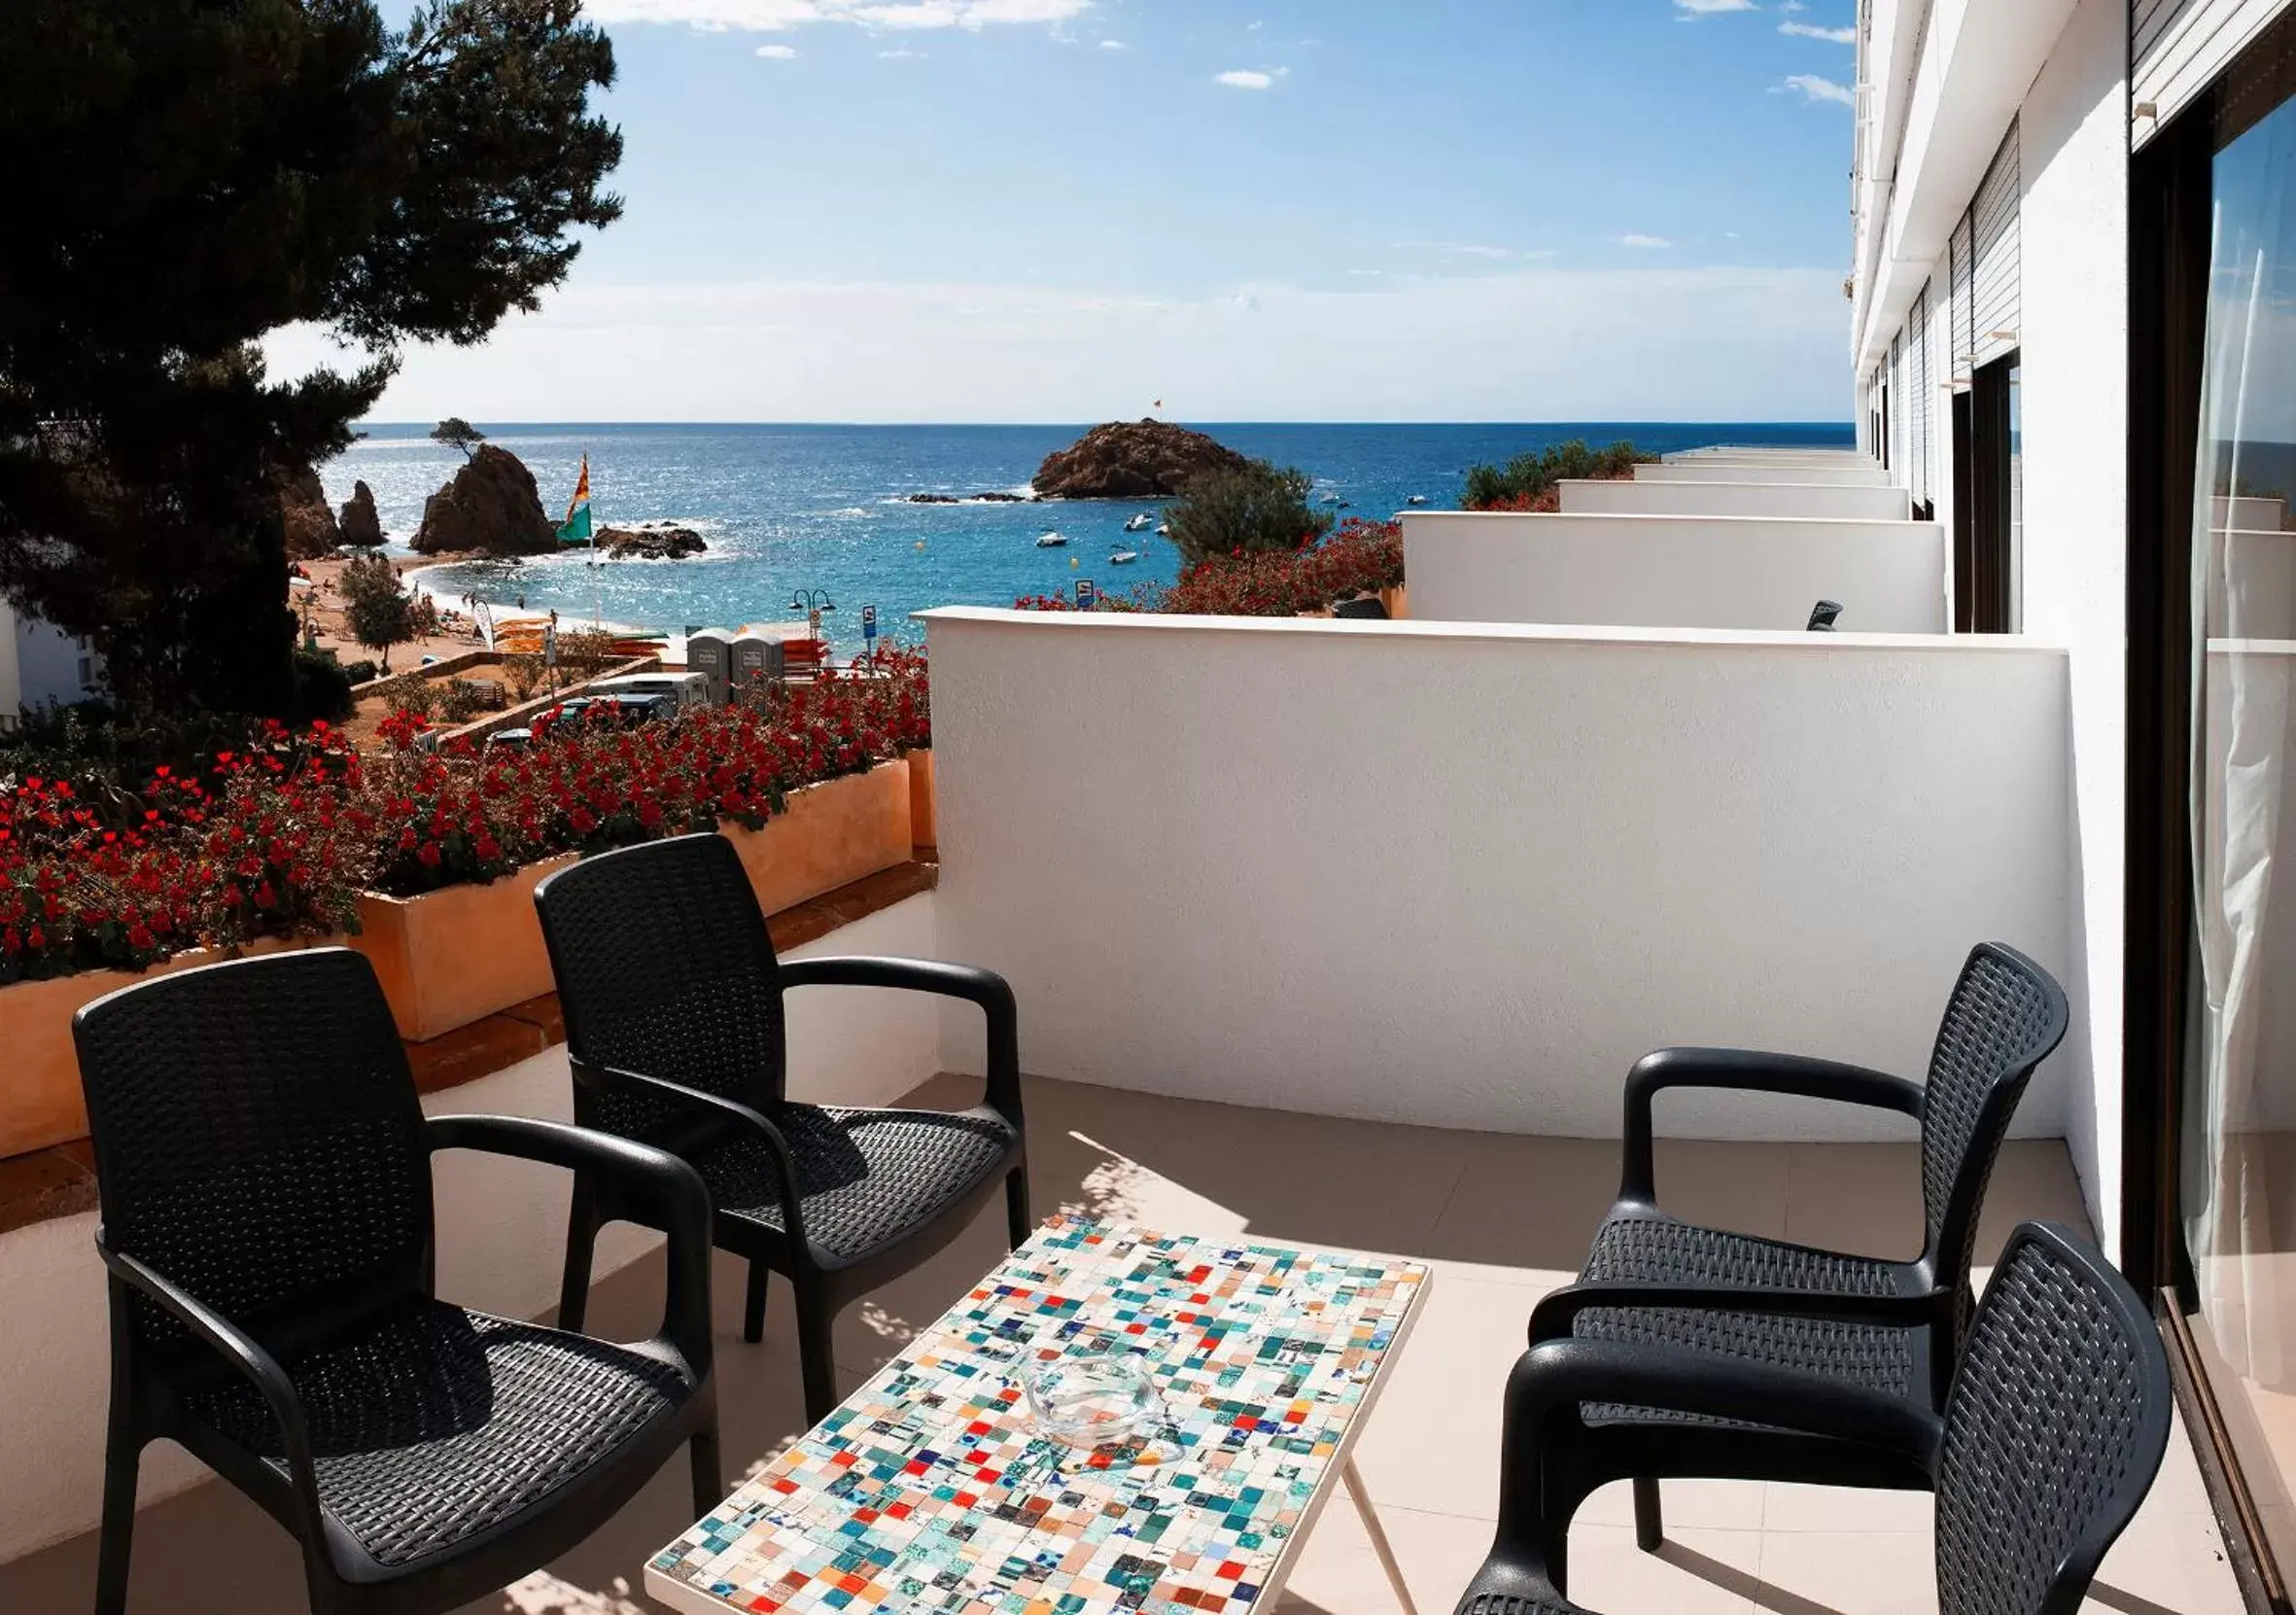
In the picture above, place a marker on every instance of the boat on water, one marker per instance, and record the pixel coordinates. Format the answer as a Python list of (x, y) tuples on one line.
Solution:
[(1138, 523), (1416, 498), (1123, 557), (1050, 539), (1164, 529)]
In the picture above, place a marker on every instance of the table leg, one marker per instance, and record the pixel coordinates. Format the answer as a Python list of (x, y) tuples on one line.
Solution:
[(1353, 1479)]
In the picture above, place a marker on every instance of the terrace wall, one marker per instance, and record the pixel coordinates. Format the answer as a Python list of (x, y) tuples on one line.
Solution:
[(1674, 572), (1465, 875), (1845, 502)]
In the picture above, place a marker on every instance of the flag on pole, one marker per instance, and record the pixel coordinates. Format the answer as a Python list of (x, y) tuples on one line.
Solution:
[(576, 529)]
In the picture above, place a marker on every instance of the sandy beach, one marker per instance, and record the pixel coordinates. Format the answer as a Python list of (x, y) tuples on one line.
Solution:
[(322, 605)]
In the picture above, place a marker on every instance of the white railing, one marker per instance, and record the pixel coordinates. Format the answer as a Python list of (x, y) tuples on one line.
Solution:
[(1685, 497)]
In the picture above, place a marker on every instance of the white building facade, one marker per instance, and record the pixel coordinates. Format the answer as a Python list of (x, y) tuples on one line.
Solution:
[(41, 667), (2074, 346)]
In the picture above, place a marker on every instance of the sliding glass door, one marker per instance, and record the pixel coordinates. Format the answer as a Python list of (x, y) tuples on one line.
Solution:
[(2236, 1174)]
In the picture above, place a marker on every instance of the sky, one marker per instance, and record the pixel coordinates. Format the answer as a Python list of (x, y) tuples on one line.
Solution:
[(1310, 210)]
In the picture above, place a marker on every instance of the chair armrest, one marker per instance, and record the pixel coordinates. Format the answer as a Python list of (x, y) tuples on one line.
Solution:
[(236, 1347), (1552, 1319), (969, 982), (1554, 1378), (723, 1109), (1747, 1069), (663, 1191)]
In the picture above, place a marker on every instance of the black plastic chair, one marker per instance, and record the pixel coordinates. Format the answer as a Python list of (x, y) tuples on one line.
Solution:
[(265, 1170), (2048, 1444), (1820, 1315), (674, 1029)]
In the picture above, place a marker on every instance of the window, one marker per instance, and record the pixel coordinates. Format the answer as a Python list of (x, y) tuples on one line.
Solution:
[(1989, 535)]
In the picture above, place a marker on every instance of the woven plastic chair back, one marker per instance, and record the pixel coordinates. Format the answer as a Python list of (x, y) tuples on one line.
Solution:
[(257, 1139), (664, 966), (2006, 1016), (2054, 1432)]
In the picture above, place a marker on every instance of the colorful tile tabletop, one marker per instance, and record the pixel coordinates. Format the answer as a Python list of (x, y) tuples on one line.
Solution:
[(929, 1491)]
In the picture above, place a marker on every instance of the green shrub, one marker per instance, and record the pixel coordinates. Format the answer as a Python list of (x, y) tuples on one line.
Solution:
[(1259, 509), (459, 701), (1527, 482), (321, 688)]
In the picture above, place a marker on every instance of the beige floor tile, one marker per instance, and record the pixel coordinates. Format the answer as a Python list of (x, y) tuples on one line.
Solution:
[(2033, 1178), (1842, 1509), (1848, 1573), (1693, 1504), (1527, 1204), (1695, 1572), (1339, 1574), (1738, 1186), (1864, 1199), (1432, 1441), (2167, 1564)]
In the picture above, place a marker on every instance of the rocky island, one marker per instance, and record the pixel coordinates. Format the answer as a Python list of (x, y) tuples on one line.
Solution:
[(490, 507), (1147, 459)]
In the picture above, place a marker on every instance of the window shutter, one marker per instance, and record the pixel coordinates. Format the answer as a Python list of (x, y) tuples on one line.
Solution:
[(2179, 48), (1994, 304)]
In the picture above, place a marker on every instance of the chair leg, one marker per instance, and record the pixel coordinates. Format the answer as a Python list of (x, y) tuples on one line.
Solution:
[(1015, 1205), (123, 1456), (708, 1472), (1650, 1530), (814, 1356), (581, 1244), (753, 1302)]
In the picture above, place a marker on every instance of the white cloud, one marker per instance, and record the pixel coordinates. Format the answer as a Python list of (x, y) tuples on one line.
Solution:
[(1469, 249), (1634, 240), (1244, 79), (777, 52), (1712, 8), (1810, 30), (1114, 45), (1816, 90), (892, 15), (1642, 343), (901, 56)]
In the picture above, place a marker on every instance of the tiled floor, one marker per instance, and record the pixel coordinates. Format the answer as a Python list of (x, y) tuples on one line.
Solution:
[(1501, 1217)]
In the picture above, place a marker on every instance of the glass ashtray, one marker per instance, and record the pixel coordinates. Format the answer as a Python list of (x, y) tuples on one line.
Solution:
[(1097, 1399)]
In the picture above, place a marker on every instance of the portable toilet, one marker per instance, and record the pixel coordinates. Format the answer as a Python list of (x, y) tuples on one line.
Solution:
[(755, 657), (710, 653)]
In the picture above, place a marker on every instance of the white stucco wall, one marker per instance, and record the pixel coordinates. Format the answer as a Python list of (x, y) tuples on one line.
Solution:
[(1738, 470), (1813, 500), (2075, 381), (502, 1234), (48, 665), (1671, 571), (12, 695), (1464, 876)]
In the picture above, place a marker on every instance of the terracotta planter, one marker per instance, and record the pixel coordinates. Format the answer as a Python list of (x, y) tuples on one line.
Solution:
[(924, 828), (831, 834), (40, 1103), (451, 957)]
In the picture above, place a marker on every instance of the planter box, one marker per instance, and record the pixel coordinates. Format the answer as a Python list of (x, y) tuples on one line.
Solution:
[(455, 956), (39, 1100), (831, 833), (924, 831)]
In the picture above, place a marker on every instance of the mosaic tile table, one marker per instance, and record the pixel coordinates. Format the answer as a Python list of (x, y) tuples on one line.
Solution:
[(929, 1492)]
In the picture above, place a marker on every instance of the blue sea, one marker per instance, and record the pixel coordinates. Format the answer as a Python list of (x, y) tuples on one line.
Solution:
[(791, 508)]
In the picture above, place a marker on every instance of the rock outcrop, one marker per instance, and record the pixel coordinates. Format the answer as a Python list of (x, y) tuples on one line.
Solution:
[(360, 524), (1149, 459), (311, 530), (490, 507), (651, 540)]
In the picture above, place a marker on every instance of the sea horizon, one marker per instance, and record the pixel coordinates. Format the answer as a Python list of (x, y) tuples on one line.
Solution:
[(791, 507)]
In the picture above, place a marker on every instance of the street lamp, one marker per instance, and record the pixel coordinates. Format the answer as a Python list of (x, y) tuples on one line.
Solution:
[(812, 602)]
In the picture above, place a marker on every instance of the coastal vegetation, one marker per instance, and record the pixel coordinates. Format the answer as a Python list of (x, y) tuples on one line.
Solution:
[(458, 433), (1362, 558), (376, 605), (205, 175), (1255, 509), (276, 833), (1528, 481)]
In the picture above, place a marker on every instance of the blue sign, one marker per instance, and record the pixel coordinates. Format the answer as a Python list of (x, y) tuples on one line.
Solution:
[(868, 621), (1086, 595)]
